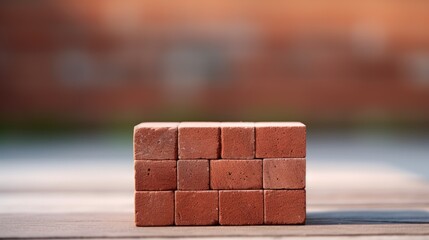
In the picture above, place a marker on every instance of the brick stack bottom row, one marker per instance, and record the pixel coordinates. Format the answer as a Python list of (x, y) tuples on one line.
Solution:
[(208, 173)]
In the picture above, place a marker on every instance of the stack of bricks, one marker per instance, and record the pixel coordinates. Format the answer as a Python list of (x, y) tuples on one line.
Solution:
[(209, 173)]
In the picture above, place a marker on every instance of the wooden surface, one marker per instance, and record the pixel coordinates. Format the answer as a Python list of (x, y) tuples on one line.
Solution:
[(93, 198)]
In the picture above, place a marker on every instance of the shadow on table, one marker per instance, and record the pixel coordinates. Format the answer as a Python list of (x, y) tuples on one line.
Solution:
[(367, 217)]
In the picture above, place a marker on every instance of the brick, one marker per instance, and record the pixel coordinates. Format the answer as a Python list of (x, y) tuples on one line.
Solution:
[(236, 174), (280, 140), (155, 175), (155, 140), (197, 207), (154, 208), (193, 175), (241, 207), (284, 173), (284, 207), (199, 140), (238, 140)]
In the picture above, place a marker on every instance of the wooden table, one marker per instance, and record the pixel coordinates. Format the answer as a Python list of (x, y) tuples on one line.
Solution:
[(92, 197)]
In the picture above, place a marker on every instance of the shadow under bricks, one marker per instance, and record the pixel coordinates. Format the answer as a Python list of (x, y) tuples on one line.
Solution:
[(367, 217)]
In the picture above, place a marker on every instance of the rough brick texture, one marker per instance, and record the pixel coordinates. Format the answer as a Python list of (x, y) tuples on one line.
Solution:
[(244, 207), (208, 173), (154, 208), (155, 175), (284, 173), (155, 141), (197, 207), (193, 175), (280, 140), (199, 140), (236, 174), (238, 140), (284, 206)]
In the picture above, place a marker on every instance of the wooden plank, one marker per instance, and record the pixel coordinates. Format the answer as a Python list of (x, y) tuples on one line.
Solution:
[(345, 200), (120, 225), (379, 237), (306, 238)]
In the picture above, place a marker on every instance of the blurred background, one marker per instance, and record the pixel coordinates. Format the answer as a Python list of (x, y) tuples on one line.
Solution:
[(105, 63), (76, 76)]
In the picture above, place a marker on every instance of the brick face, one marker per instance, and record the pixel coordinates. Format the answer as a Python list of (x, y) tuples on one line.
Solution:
[(284, 206), (193, 175), (280, 140), (199, 140), (154, 208), (156, 141), (197, 207), (155, 175), (208, 173), (284, 173), (243, 207), (238, 140), (236, 174)]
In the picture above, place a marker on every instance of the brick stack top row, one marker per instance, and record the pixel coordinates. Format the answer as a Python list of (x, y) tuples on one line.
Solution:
[(216, 140)]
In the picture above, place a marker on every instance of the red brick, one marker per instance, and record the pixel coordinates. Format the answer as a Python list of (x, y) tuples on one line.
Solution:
[(155, 175), (154, 208), (236, 174), (238, 140), (284, 207), (280, 140), (284, 173), (241, 207), (197, 207), (155, 140), (199, 140), (193, 175)]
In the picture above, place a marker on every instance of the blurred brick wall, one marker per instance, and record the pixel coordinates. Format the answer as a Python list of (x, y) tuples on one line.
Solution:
[(95, 60)]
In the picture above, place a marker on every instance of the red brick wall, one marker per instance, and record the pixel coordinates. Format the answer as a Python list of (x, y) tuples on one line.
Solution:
[(91, 61)]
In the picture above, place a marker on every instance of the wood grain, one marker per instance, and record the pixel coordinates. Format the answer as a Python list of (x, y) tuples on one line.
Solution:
[(54, 197), (121, 225)]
